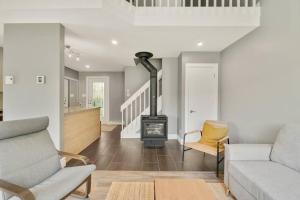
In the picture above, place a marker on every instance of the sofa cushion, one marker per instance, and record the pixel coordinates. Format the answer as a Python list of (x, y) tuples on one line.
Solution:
[(286, 149), (266, 180), (62, 183)]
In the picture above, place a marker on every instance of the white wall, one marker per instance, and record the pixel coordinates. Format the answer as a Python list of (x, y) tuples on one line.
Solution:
[(1, 78), (260, 75), (170, 92), (31, 50)]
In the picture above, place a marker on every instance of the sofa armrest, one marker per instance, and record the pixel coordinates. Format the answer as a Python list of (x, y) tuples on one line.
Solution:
[(22, 193), (239, 152), (81, 158), (248, 151)]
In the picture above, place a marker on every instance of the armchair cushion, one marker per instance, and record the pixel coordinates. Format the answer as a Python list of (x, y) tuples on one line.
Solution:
[(266, 180), (28, 160), (212, 132), (27, 153), (62, 183), (286, 149), (10, 129)]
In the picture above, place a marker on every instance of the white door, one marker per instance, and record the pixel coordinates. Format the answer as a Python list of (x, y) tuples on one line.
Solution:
[(201, 96), (98, 95), (66, 93)]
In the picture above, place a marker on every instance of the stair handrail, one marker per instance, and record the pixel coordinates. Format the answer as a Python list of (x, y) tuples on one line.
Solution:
[(134, 96)]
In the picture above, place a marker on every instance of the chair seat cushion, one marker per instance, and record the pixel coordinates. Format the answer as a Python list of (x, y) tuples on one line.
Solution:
[(61, 183), (203, 148), (266, 180)]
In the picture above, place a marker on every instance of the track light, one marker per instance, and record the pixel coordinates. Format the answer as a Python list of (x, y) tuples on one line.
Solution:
[(71, 53)]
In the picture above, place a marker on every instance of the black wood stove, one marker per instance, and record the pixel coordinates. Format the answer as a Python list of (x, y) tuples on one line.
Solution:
[(154, 128)]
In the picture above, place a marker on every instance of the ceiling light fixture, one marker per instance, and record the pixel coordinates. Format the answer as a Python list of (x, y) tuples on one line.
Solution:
[(199, 44), (87, 66), (114, 42), (71, 53)]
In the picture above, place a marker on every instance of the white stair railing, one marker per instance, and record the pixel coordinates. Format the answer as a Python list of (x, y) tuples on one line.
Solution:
[(137, 105), (195, 3)]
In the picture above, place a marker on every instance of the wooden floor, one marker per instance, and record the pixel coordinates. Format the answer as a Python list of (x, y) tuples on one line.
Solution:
[(101, 180), (113, 153)]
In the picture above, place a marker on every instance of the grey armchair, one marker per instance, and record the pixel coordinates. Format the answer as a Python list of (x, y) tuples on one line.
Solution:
[(30, 166)]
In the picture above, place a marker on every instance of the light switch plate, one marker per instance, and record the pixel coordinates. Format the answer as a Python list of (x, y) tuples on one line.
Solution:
[(9, 80), (40, 79)]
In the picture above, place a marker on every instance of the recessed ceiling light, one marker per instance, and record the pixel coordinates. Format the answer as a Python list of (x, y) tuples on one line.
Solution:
[(114, 42), (87, 66), (199, 44), (70, 55), (77, 58)]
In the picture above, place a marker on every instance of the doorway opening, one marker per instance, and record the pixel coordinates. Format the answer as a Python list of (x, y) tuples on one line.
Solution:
[(201, 96), (97, 88)]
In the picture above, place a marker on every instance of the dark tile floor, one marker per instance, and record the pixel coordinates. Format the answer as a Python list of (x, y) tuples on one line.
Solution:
[(112, 153)]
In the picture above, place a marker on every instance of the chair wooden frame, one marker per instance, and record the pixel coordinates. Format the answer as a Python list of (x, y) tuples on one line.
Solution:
[(218, 151), (26, 194)]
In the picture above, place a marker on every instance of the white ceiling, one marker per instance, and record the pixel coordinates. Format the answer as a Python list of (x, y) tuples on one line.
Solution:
[(90, 30)]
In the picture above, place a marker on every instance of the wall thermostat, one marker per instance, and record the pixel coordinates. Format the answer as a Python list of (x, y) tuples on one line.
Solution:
[(9, 80), (40, 79)]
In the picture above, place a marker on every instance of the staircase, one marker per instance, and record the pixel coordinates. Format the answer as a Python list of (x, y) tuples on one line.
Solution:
[(137, 105)]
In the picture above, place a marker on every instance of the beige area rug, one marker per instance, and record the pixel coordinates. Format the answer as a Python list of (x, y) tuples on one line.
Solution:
[(101, 180), (108, 127)]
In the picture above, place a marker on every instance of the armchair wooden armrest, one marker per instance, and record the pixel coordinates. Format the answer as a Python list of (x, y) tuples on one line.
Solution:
[(221, 141), (224, 139), (81, 158), (22, 193), (193, 132)]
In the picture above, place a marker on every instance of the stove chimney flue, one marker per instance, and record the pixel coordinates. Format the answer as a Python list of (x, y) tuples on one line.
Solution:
[(143, 58)]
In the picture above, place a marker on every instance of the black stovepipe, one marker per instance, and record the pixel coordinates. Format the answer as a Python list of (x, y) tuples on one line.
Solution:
[(143, 59)]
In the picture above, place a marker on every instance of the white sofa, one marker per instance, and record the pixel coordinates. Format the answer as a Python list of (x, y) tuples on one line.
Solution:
[(264, 171)]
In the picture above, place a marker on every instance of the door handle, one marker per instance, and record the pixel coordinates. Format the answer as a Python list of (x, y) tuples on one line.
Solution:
[(192, 111)]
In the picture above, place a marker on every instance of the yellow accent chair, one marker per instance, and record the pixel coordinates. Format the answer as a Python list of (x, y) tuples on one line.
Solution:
[(213, 136)]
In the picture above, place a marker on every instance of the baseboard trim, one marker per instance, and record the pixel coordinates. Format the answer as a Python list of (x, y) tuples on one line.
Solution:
[(172, 136), (130, 136), (112, 123), (137, 136)]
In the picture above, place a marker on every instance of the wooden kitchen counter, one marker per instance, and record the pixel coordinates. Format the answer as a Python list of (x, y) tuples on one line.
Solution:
[(82, 127)]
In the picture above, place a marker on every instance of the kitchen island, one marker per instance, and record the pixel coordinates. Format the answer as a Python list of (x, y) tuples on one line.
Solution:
[(82, 126)]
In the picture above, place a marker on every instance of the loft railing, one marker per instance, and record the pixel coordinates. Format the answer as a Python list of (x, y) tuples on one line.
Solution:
[(194, 3)]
